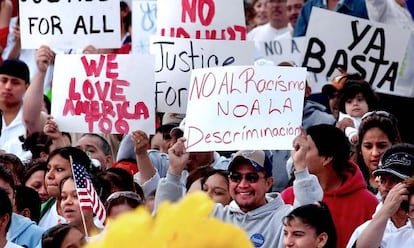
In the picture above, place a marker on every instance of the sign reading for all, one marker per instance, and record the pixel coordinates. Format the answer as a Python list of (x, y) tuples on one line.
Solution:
[(70, 24)]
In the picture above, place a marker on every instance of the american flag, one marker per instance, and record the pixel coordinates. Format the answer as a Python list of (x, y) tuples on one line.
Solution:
[(87, 196)]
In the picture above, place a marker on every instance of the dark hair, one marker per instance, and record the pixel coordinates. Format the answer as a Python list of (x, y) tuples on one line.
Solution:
[(410, 185), (14, 165), (54, 236), (67, 135), (352, 88), (165, 130), (318, 216), (223, 173), (33, 166), (112, 178), (124, 6), (47, 103), (77, 156), (197, 173), (130, 198), (36, 143), (28, 198), (103, 143), (63, 181), (16, 68), (249, 11), (127, 20), (332, 142), (387, 124), (5, 206), (6, 176)]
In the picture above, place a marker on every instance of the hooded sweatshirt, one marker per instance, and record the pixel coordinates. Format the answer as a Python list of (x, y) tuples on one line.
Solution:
[(315, 113), (24, 232), (263, 225), (350, 205)]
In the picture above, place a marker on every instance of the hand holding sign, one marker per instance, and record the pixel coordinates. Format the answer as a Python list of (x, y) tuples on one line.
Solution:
[(44, 57)]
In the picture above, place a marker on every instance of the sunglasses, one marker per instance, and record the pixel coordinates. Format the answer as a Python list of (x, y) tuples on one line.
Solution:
[(124, 194), (236, 177), (378, 113)]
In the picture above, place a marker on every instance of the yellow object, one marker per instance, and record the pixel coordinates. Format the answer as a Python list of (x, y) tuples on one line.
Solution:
[(184, 224)]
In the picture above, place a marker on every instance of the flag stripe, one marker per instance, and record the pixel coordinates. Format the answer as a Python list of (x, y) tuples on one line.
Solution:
[(88, 198)]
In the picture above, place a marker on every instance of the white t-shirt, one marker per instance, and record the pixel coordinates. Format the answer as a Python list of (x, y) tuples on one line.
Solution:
[(9, 139), (51, 218), (404, 238), (350, 131), (390, 228), (264, 33)]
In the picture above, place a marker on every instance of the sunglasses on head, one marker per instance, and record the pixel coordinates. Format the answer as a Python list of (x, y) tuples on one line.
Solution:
[(124, 194), (249, 177), (378, 113)]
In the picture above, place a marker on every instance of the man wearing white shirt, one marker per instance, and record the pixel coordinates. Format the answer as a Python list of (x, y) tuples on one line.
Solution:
[(276, 28), (14, 81), (391, 219)]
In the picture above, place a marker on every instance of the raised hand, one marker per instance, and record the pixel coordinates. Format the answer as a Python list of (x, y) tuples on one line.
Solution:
[(178, 157), (44, 57), (300, 148), (141, 141)]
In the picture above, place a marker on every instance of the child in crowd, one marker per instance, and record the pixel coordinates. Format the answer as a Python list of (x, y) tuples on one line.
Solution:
[(315, 225), (357, 98)]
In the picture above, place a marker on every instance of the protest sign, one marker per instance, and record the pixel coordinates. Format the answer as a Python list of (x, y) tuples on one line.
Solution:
[(202, 19), (144, 24), (279, 50), (358, 45), (69, 24), (175, 58), (104, 93), (244, 107)]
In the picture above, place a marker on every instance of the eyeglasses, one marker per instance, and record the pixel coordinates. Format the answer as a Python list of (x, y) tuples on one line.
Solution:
[(410, 214), (378, 113), (236, 177)]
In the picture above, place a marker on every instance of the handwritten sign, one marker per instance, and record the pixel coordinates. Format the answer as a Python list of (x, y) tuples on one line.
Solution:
[(70, 24), (202, 19), (244, 107), (144, 24), (175, 58), (357, 45), (104, 93)]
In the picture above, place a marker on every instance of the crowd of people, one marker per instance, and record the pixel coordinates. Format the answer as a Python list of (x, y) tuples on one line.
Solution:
[(348, 180)]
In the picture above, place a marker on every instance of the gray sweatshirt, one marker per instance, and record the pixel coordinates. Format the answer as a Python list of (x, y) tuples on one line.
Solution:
[(263, 225)]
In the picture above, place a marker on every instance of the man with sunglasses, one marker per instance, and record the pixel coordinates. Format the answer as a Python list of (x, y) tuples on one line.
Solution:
[(258, 213)]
